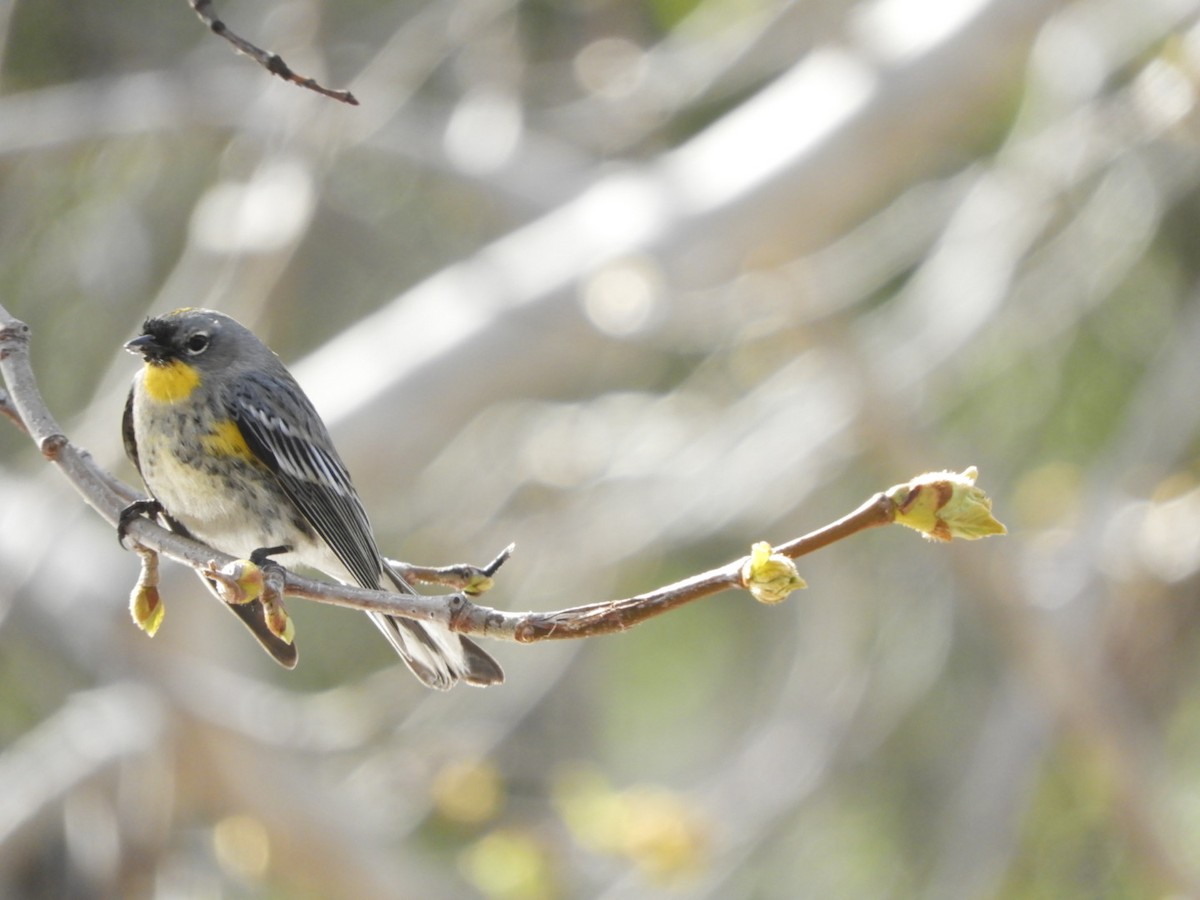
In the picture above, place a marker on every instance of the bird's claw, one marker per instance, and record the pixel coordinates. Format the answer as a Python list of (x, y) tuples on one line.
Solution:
[(138, 509)]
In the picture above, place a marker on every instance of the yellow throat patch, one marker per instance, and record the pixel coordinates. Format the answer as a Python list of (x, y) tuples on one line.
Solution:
[(170, 383)]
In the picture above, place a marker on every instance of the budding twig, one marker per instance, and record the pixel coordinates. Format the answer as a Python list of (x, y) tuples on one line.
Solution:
[(949, 505)]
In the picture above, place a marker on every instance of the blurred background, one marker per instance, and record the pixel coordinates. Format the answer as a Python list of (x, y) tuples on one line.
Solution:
[(634, 286)]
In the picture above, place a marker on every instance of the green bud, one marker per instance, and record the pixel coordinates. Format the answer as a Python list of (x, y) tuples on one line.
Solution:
[(770, 576), (240, 581), (146, 607), (278, 620), (478, 584), (946, 505)]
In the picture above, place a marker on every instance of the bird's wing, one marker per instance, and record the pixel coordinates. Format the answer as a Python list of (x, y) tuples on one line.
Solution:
[(283, 431)]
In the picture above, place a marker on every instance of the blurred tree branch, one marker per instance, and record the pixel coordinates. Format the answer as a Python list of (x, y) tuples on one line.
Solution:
[(272, 62), (767, 574)]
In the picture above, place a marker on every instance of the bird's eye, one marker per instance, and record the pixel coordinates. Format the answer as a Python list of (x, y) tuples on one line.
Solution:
[(197, 344)]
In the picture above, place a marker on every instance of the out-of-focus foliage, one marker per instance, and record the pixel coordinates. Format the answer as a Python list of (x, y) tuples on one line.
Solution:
[(636, 286)]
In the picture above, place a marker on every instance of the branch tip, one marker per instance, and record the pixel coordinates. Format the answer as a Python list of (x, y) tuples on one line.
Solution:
[(946, 505), (501, 558)]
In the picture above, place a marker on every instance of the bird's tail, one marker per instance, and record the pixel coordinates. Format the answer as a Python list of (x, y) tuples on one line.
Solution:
[(436, 655)]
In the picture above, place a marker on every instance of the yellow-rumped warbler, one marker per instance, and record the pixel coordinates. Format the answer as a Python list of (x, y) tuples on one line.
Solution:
[(236, 456)]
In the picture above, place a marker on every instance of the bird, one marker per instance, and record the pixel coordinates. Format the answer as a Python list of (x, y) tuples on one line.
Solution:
[(233, 453)]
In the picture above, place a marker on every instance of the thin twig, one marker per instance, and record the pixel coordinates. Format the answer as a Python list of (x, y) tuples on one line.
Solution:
[(108, 496), (272, 62), (469, 579), (619, 615)]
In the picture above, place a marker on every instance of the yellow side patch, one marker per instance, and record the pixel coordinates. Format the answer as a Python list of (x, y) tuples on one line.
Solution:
[(170, 383), (226, 440)]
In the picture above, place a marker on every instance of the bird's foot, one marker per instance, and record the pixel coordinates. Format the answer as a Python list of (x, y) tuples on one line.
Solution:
[(138, 509)]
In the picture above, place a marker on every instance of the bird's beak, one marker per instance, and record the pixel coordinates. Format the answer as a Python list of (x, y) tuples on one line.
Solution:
[(145, 346)]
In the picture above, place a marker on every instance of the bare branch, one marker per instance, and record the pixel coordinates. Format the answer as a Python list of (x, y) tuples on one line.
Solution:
[(272, 62)]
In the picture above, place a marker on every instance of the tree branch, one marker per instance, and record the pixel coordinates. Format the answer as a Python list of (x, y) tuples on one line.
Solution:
[(272, 62), (767, 574)]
